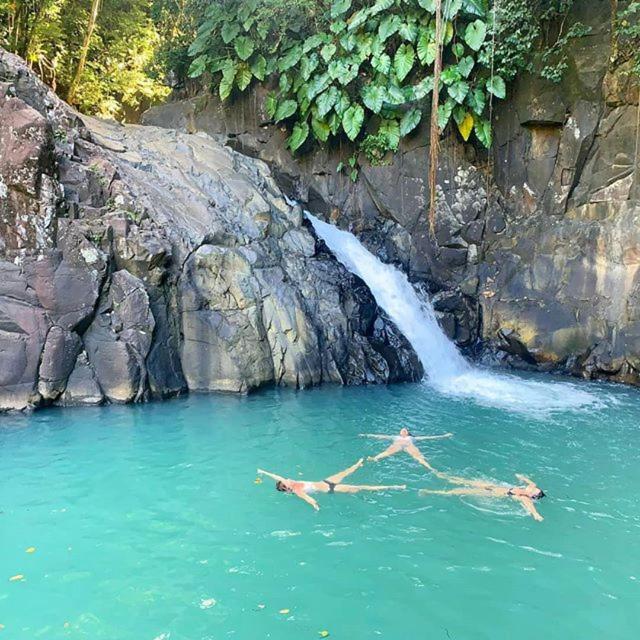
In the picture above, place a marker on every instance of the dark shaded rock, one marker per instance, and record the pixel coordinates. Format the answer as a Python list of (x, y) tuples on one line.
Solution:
[(58, 359), (119, 339)]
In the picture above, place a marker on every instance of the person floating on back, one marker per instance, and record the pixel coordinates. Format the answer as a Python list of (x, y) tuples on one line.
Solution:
[(404, 441), (525, 495), (333, 484)]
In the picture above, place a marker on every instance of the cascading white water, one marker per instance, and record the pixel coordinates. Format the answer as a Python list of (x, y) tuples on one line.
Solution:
[(444, 366)]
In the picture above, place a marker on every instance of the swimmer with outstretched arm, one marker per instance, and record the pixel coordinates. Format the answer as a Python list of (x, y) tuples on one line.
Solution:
[(333, 484), (404, 441), (525, 495)]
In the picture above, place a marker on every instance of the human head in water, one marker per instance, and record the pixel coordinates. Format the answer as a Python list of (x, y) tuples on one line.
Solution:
[(404, 432), (283, 485)]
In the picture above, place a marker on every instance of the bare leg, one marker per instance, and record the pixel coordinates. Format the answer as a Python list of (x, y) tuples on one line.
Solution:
[(341, 475), (466, 482), (389, 451), (469, 491), (415, 453), (355, 488)]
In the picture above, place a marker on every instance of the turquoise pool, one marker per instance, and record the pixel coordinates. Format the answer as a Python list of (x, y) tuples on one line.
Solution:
[(147, 522)]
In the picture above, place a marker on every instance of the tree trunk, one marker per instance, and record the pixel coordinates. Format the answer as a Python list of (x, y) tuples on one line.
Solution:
[(93, 17), (434, 136)]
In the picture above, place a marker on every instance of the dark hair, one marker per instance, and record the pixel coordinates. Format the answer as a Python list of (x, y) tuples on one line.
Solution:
[(281, 486)]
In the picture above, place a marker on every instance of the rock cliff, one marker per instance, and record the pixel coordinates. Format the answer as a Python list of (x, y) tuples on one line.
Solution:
[(140, 262), (535, 259)]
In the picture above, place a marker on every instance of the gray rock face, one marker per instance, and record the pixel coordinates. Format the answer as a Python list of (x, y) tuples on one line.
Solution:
[(533, 263), (137, 262)]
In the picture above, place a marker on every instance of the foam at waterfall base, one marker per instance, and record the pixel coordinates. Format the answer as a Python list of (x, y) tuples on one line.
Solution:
[(445, 368)]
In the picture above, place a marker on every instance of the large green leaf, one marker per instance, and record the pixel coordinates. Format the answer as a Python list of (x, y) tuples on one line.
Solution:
[(350, 74), (476, 7), (373, 96), (497, 87), (271, 104), (197, 66), (426, 48), (244, 47), (326, 100), (444, 113), (450, 9), (410, 121), (358, 19), (390, 129), (475, 34), (450, 74), (308, 64), (458, 91), (408, 31), (482, 129), (259, 67), (298, 135), (337, 69), (317, 85), (313, 42), (284, 83), (321, 129), (381, 63), (423, 88), (457, 49), (243, 76), (342, 104), (394, 95), (465, 65), (285, 110), (290, 58), (352, 121), (334, 121), (339, 7), (389, 26), (328, 51), (348, 41), (381, 5), (229, 31), (428, 5), (477, 99), (403, 61), (226, 85)]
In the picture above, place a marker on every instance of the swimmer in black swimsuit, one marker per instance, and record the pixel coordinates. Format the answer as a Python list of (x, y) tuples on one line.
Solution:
[(333, 484), (525, 495)]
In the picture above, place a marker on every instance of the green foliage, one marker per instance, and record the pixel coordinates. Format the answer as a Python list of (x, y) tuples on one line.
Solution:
[(121, 76), (627, 33), (364, 69), (347, 67), (533, 36)]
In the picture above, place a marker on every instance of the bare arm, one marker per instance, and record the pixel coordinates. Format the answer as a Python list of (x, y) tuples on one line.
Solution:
[(378, 436), (524, 478), (308, 499), (530, 508), (444, 435), (271, 475)]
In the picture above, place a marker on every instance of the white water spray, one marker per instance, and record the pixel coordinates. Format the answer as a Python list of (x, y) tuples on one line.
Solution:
[(444, 366)]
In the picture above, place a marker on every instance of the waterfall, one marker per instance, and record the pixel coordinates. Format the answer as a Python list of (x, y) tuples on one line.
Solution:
[(445, 367)]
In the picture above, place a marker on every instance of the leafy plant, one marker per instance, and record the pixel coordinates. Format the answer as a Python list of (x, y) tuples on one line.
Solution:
[(627, 32), (363, 70)]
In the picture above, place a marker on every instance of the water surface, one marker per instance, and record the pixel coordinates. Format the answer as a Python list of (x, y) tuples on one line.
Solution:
[(147, 523)]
